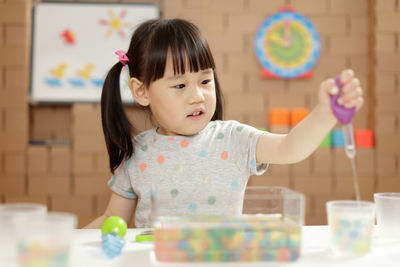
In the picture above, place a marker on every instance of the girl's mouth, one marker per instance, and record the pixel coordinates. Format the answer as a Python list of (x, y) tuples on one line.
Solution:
[(196, 115)]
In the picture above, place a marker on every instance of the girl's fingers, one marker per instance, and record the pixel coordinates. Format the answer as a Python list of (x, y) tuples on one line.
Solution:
[(329, 86), (355, 102), (350, 85), (346, 76), (356, 92)]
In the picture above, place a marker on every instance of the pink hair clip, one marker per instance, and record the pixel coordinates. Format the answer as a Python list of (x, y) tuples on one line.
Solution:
[(122, 57)]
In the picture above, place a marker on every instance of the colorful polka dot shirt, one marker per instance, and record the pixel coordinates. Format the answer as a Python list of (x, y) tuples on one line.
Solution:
[(204, 174)]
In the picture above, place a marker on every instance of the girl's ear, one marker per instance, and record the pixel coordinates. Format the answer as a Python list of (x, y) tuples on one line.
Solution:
[(139, 91)]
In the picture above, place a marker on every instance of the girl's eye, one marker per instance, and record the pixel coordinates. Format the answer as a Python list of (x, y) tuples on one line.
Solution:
[(179, 86), (206, 82)]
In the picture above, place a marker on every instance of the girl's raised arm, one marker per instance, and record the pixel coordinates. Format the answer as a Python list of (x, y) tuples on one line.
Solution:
[(306, 136)]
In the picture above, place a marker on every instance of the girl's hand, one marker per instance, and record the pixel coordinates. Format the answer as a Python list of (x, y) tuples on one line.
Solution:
[(350, 96)]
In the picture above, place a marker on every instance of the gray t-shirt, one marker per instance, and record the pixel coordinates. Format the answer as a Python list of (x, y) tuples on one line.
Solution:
[(203, 174)]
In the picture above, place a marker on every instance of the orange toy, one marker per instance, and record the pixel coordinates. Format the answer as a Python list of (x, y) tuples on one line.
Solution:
[(364, 138), (297, 115), (278, 117)]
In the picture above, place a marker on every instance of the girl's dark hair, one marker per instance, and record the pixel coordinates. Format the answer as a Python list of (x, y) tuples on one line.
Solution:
[(147, 52)]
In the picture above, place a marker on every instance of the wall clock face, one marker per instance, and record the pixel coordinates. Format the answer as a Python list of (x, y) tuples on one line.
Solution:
[(287, 45)]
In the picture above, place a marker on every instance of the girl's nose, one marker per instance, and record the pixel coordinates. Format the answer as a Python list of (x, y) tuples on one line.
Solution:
[(196, 95)]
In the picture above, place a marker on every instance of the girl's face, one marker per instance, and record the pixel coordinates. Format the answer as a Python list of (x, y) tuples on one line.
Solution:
[(182, 104)]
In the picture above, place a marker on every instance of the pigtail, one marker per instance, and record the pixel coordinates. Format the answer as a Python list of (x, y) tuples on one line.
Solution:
[(116, 126)]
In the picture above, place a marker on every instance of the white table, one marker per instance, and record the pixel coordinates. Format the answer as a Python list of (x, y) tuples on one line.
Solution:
[(86, 252)]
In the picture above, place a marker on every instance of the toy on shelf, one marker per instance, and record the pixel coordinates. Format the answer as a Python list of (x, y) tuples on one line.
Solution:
[(113, 231), (327, 142), (297, 115), (278, 117), (364, 138), (337, 138)]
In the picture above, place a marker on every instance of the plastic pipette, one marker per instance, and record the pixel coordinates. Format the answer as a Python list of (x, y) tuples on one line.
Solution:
[(345, 117)]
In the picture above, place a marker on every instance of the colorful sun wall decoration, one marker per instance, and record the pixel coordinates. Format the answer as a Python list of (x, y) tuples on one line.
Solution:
[(116, 24), (287, 45)]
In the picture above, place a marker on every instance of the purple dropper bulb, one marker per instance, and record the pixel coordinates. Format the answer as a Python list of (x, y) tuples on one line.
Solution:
[(343, 114)]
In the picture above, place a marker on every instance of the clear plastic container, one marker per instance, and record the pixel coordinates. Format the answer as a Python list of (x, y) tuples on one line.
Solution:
[(269, 229), (351, 223), (388, 214), (9, 212), (44, 240)]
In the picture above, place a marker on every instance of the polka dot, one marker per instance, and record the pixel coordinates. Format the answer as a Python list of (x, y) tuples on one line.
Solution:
[(251, 135), (207, 180), (143, 135), (161, 159), (203, 153), (174, 192), (193, 207), (253, 163), (144, 148), (127, 163), (224, 155), (220, 136), (112, 181), (184, 143), (235, 185), (170, 139), (154, 140), (239, 128), (211, 200), (143, 166), (238, 166), (178, 167)]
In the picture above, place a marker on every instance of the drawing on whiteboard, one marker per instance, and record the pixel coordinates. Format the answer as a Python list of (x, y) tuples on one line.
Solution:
[(76, 82), (56, 75), (86, 72), (116, 24), (68, 36)]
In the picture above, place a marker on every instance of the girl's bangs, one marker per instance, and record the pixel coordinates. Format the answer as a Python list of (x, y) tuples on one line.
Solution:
[(188, 48), (191, 56)]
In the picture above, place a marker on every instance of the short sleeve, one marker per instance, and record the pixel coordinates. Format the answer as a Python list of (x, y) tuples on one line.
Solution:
[(120, 182), (245, 138)]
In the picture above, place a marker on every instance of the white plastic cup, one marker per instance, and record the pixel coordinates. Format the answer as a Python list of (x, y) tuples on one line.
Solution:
[(388, 214), (9, 212), (45, 240), (350, 224)]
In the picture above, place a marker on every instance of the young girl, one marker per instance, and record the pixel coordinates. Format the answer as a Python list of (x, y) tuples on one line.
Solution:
[(201, 163)]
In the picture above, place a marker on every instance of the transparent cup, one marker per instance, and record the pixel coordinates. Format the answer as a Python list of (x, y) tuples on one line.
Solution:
[(388, 214), (44, 240), (350, 224), (8, 213)]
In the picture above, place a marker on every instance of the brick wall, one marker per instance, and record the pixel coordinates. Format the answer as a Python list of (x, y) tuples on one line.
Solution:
[(387, 90), (359, 34)]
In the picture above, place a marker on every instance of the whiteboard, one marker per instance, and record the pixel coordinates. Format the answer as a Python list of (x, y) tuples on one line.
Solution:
[(73, 46)]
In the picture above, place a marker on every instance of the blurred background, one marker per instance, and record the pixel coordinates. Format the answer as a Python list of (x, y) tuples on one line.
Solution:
[(69, 172)]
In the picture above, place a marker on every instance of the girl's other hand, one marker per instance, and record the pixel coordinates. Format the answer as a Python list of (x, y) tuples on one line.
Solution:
[(351, 94)]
